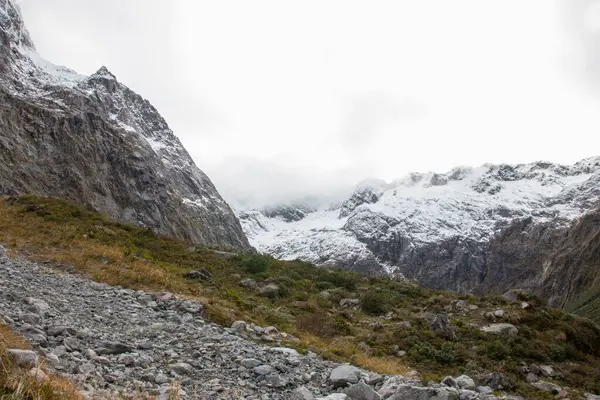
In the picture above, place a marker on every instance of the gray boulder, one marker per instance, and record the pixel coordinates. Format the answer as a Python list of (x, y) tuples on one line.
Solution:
[(181, 368), (393, 383), (343, 375), (406, 392), (202, 274), (113, 348), (440, 324), (23, 358), (547, 371), (276, 381), (239, 326), (450, 382), (361, 391), (271, 290), (500, 329), (249, 284), (302, 393), (250, 362), (344, 303), (465, 382), (468, 395), (262, 369), (30, 318), (547, 387), (497, 381), (37, 306)]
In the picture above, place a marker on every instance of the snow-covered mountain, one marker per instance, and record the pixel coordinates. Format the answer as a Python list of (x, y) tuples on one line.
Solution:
[(433, 227), (93, 140)]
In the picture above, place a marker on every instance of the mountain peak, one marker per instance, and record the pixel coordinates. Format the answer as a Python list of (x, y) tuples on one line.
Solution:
[(12, 28), (103, 72)]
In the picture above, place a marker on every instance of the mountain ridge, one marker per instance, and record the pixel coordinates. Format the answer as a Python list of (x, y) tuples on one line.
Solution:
[(93, 140), (444, 230)]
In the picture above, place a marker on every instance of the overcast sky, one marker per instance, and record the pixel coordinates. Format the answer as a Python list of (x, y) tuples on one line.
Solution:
[(275, 99)]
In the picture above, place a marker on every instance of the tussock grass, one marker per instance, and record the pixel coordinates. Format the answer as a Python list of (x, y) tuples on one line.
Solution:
[(17, 384)]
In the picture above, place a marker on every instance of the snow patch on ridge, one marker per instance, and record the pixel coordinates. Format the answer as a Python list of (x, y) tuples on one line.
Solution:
[(58, 75), (424, 208)]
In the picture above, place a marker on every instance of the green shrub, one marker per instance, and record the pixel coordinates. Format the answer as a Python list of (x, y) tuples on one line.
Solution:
[(495, 350), (557, 353), (341, 279), (373, 302), (335, 295), (342, 327), (324, 285), (426, 352), (255, 263)]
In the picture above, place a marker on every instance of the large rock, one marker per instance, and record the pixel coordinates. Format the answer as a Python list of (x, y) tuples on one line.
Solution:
[(465, 382), (302, 393), (113, 348), (37, 374), (344, 303), (362, 391), (271, 290), (181, 368), (37, 306), (239, 326), (335, 396), (262, 369), (202, 274), (23, 358), (500, 329), (547, 387), (249, 284), (497, 381), (393, 383), (406, 392), (343, 375), (547, 371), (440, 324)]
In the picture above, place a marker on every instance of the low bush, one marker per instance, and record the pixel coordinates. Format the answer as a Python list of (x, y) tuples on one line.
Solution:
[(255, 264), (373, 302)]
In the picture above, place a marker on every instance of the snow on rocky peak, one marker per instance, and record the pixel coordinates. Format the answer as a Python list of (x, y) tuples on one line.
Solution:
[(11, 23), (424, 208)]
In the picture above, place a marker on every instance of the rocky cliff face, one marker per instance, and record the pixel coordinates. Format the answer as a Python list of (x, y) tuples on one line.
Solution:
[(481, 230), (92, 140)]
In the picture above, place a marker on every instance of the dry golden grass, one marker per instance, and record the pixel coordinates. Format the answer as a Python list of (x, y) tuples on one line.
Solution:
[(345, 349), (55, 242), (16, 384), (10, 340), (382, 365)]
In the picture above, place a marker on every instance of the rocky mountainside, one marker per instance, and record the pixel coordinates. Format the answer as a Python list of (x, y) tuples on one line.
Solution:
[(93, 140), (477, 230)]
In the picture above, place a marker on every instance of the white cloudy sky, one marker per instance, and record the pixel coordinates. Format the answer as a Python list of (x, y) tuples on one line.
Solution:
[(280, 98)]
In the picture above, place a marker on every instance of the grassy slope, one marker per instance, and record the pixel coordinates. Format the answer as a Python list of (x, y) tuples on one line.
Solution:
[(588, 304), (119, 254)]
